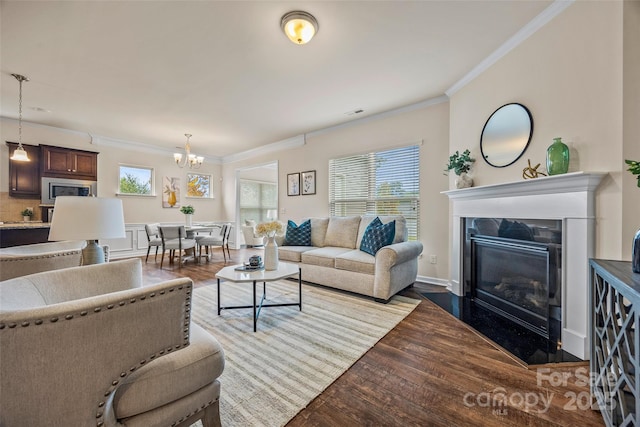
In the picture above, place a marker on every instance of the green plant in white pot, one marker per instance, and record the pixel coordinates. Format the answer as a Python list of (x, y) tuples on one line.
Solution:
[(188, 212), (26, 214), (460, 164)]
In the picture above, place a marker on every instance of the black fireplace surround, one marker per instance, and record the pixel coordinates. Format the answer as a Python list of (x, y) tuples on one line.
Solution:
[(512, 282)]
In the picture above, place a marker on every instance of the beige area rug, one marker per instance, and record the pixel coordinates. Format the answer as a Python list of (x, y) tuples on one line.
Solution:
[(273, 374)]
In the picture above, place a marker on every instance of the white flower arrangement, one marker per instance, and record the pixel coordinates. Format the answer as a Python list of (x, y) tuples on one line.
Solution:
[(269, 228)]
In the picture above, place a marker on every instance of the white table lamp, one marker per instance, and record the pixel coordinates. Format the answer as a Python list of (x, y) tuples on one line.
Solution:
[(90, 219)]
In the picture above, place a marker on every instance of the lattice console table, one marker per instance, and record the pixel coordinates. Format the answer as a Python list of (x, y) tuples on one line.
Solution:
[(615, 352)]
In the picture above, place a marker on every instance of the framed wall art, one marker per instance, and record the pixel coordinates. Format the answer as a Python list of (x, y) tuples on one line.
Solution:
[(199, 185), (171, 192), (308, 181), (293, 184)]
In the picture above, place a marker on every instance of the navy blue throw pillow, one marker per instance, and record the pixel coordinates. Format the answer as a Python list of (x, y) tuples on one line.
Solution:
[(377, 236), (298, 235)]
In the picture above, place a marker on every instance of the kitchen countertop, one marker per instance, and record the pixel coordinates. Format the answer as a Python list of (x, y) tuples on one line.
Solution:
[(16, 225)]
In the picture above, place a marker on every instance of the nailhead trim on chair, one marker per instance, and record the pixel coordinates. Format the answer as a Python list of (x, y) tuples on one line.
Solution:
[(114, 383)]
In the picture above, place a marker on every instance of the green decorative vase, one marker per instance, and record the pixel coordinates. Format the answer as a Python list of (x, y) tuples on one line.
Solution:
[(557, 157)]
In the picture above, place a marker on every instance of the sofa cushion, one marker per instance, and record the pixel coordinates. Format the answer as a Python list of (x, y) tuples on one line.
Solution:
[(377, 236), (342, 232), (298, 235), (318, 231), (292, 253), (356, 261), (172, 376), (323, 257)]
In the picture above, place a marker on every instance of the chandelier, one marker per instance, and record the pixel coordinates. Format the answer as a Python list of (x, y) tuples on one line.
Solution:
[(20, 155), (191, 160), (299, 26)]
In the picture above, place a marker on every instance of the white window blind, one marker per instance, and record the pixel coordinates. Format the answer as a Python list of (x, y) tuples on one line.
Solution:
[(377, 183)]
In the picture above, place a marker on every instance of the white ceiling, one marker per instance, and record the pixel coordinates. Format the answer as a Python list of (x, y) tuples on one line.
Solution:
[(151, 71)]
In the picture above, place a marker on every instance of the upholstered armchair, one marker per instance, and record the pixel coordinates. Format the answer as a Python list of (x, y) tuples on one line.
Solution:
[(249, 233), (90, 346)]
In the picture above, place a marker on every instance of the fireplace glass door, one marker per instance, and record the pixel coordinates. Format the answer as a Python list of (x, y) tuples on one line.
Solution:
[(514, 279)]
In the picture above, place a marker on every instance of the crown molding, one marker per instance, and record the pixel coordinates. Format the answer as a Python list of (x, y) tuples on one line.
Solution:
[(112, 142), (534, 25)]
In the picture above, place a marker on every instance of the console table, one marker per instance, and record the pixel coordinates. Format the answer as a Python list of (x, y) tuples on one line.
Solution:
[(615, 341)]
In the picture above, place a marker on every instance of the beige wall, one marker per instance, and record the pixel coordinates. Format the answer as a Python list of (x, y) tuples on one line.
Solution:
[(136, 209), (569, 75), (631, 120), (428, 124)]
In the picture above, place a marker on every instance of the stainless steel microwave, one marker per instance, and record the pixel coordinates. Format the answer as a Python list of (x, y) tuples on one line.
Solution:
[(54, 187)]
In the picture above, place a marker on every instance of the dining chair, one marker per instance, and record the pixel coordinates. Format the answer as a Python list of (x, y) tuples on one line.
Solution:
[(153, 239), (174, 238), (221, 240)]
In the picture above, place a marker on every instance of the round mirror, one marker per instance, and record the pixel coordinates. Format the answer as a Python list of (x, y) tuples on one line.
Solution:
[(506, 135)]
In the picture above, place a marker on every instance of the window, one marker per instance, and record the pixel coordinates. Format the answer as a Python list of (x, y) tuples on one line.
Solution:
[(199, 185), (256, 199), (136, 180), (378, 183)]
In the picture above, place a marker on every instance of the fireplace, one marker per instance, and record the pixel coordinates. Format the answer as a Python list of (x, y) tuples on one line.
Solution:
[(560, 213), (515, 269)]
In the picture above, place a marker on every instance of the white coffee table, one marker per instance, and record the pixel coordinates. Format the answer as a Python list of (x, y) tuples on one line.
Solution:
[(284, 270)]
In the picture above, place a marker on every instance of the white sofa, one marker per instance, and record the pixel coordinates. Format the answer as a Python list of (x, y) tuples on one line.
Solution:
[(334, 258)]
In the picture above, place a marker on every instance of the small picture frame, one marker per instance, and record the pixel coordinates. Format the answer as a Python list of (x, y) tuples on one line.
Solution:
[(308, 182), (293, 184)]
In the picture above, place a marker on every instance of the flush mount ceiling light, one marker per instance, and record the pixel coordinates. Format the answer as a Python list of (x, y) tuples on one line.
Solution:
[(191, 160), (20, 155), (299, 26)]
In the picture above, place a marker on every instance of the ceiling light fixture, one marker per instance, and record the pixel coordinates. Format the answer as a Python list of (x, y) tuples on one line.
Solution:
[(299, 26), (191, 160), (20, 155)]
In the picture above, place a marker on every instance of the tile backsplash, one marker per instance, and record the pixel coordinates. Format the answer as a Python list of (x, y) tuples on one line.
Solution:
[(10, 207)]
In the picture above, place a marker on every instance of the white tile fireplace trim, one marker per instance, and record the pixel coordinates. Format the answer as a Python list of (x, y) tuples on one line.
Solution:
[(569, 198)]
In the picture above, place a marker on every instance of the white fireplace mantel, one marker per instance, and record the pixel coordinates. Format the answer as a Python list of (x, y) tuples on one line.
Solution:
[(569, 198)]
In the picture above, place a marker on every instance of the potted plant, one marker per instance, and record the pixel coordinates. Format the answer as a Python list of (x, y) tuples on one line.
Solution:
[(634, 168), (460, 164), (188, 211), (27, 214)]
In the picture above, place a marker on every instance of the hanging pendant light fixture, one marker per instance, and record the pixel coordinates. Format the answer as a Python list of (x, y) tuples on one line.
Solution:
[(299, 26), (191, 160), (20, 154)]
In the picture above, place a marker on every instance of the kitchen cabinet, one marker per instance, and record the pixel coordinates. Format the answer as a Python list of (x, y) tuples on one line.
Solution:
[(59, 162), (24, 177)]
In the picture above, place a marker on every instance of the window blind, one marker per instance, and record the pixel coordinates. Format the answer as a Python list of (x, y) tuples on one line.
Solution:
[(377, 183)]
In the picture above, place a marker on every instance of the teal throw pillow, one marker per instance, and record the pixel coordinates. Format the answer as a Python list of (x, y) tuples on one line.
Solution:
[(377, 236), (298, 235)]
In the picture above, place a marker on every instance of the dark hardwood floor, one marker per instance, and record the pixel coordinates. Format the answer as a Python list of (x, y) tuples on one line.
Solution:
[(432, 370)]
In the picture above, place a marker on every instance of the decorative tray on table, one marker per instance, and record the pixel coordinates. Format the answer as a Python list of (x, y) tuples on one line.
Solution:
[(247, 267)]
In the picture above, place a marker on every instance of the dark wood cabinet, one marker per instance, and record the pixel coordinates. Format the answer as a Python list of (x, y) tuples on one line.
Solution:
[(24, 177), (59, 162)]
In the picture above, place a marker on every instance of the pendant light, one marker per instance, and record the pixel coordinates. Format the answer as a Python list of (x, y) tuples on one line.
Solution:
[(191, 160), (20, 155), (299, 26)]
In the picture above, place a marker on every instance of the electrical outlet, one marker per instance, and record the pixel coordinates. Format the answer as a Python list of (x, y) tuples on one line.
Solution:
[(433, 259)]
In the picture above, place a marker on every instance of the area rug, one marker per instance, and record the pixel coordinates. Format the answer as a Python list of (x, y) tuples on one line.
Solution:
[(274, 373)]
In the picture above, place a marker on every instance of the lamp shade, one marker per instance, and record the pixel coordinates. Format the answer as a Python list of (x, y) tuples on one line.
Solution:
[(87, 218)]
